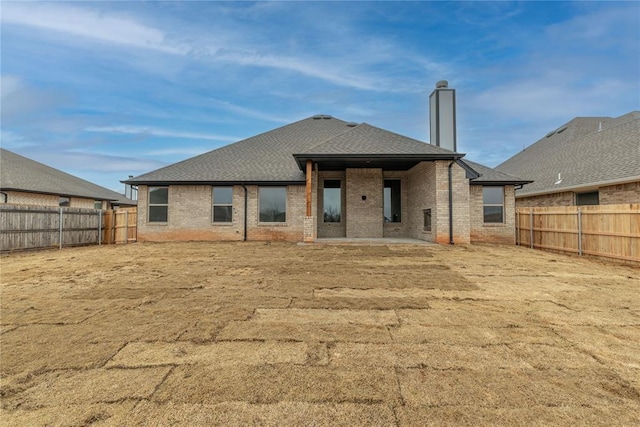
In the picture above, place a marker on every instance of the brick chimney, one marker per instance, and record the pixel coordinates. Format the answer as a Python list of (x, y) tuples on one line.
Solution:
[(442, 116)]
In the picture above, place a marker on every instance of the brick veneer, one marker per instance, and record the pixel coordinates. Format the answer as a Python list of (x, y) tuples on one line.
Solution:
[(364, 202), (428, 188), (621, 193), (49, 200), (190, 216), (424, 186), (504, 233), (608, 195)]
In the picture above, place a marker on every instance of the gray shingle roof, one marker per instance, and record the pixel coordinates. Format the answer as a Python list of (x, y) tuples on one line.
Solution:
[(365, 139), (22, 174), (492, 176), (262, 158), (268, 157), (584, 152)]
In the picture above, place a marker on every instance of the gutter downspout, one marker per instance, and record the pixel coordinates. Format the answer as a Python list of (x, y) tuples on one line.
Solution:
[(450, 205), (244, 239)]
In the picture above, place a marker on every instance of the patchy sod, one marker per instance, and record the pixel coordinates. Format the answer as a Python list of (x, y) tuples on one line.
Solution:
[(280, 334)]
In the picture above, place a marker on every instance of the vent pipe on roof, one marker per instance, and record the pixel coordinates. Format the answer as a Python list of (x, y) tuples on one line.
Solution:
[(442, 116)]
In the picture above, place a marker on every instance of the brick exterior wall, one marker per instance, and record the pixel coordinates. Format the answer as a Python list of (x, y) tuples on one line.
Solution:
[(421, 195), (619, 194), (428, 188), (364, 217), (425, 186), (608, 195), (492, 233), (190, 216), (49, 200), (566, 198)]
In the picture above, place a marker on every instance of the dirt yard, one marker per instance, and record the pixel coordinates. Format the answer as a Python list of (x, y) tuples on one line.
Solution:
[(280, 334)]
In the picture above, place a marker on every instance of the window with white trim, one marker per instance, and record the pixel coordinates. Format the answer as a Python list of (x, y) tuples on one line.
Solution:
[(493, 205), (158, 204), (273, 204), (222, 204)]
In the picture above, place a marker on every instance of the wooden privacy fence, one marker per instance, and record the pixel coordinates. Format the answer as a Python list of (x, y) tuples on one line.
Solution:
[(34, 227), (120, 225), (611, 231)]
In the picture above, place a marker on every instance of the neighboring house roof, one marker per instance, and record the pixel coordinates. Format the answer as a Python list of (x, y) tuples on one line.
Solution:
[(19, 173), (489, 176), (585, 152), (269, 157)]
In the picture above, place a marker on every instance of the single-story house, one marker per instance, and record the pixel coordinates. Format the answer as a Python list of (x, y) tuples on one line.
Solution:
[(26, 182), (322, 177), (587, 161)]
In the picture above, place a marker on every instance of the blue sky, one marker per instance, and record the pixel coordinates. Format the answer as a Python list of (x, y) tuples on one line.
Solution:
[(103, 90)]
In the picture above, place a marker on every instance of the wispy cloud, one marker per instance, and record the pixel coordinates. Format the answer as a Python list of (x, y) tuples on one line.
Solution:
[(179, 151), (352, 66), (165, 133), (105, 27), (248, 112)]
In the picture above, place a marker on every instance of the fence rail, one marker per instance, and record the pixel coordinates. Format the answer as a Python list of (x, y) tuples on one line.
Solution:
[(611, 231), (34, 227)]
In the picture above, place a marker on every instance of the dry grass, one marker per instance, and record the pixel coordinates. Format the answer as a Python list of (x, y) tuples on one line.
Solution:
[(278, 334)]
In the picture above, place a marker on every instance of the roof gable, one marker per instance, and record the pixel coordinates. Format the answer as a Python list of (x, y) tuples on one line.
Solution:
[(585, 151), (489, 176)]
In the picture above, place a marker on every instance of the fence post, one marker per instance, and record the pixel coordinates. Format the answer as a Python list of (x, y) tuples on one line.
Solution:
[(531, 228), (99, 227), (60, 234), (517, 228), (126, 226), (579, 232)]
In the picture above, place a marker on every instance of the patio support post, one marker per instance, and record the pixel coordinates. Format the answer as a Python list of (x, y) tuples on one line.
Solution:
[(309, 173), (308, 232)]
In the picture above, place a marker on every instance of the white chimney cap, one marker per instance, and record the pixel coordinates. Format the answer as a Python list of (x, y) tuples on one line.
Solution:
[(442, 84)]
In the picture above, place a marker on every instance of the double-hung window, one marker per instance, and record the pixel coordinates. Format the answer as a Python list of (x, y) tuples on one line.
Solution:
[(222, 204), (273, 204), (158, 204), (493, 204)]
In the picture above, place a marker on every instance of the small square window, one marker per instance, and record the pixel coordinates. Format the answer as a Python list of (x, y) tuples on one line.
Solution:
[(97, 204), (64, 202)]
